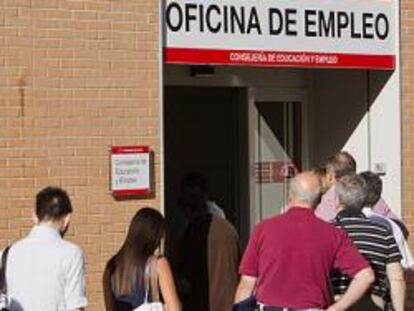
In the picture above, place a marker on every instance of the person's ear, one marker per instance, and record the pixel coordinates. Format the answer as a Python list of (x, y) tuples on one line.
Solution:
[(66, 221), (330, 179), (64, 224), (289, 199), (35, 219)]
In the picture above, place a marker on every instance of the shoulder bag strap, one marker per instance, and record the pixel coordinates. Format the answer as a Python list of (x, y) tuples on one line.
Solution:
[(147, 280), (155, 292), (3, 283)]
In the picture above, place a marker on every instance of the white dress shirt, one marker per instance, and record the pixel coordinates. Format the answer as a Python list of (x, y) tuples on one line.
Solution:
[(407, 260), (45, 273)]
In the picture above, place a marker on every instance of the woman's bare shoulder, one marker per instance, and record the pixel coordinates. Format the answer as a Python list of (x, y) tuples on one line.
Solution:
[(162, 262)]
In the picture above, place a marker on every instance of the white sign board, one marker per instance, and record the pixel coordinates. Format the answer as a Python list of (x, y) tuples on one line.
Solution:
[(300, 33), (130, 171)]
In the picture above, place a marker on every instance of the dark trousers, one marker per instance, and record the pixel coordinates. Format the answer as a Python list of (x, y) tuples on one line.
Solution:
[(365, 304)]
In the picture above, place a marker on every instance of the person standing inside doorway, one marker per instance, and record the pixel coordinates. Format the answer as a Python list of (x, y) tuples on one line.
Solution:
[(289, 257), (45, 272), (208, 256)]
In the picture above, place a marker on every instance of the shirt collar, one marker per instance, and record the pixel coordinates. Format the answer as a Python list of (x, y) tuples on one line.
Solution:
[(295, 210), (367, 211), (44, 232), (354, 213)]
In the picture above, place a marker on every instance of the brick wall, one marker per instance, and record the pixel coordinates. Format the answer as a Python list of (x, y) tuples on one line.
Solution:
[(407, 55), (77, 76)]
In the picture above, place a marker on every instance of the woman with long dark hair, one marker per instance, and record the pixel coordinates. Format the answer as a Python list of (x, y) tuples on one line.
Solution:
[(125, 278)]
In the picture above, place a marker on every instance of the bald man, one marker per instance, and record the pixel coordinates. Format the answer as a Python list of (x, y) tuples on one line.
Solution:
[(289, 257)]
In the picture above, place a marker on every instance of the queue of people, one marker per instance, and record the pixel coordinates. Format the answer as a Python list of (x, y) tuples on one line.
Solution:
[(337, 247), (329, 251)]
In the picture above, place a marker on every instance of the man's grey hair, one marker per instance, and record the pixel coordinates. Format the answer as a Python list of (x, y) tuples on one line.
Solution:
[(351, 191), (306, 191)]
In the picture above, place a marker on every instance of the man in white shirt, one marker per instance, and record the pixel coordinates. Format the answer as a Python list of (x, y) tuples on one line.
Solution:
[(45, 272), (374, 191)]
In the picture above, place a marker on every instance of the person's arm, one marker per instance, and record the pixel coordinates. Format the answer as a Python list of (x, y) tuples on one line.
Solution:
[(167, 285), (249, 267), (75, 288), (396, 278), (359, 285), (395, 273), (245, 288), (350, 262)]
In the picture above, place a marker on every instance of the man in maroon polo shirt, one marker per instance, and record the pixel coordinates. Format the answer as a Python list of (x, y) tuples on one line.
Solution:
[(289, 257)]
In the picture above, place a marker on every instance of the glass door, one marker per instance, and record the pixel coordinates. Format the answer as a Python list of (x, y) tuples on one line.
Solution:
[(277, 149)]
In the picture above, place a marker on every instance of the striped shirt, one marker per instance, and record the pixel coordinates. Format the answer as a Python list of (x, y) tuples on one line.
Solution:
[(375, 242)]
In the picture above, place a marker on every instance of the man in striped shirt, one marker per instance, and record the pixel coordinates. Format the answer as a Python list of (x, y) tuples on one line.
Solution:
[(375, 242)]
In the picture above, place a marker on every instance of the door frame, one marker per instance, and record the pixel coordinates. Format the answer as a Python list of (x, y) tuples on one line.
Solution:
[(256, 94)]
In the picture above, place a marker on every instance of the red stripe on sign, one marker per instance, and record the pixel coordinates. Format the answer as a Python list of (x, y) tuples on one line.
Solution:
[(136, 192), (277, 59), (129, 149)]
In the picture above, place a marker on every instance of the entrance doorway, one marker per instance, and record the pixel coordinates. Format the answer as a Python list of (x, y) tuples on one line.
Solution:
[(246, 142), (205, 130), (287, 119)]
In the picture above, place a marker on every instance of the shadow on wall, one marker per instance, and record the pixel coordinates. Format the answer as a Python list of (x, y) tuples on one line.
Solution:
[(341, 100)]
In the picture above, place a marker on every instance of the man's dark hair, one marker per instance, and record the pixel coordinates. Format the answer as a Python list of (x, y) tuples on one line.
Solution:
[(194, 192), (341, 164), (52, 203), (374, 188), (195, 180)]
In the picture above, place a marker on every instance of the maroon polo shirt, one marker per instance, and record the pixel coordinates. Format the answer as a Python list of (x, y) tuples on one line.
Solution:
[(291, 256)]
